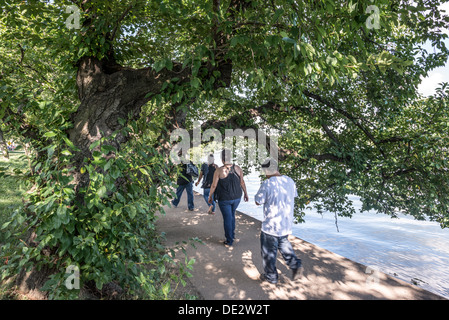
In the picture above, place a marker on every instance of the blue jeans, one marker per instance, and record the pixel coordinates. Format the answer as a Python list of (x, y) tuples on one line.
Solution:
[(206, 193), (227, 208), (269, 247), (180, 190)]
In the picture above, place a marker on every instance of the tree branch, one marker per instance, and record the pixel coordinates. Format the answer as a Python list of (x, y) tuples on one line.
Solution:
[(345, 114), (234, 122), (124, 14)]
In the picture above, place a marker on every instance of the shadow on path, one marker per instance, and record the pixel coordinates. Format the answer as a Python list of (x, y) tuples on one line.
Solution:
[(233, 273)]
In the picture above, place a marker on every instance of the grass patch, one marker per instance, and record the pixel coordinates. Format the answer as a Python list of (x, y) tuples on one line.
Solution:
[(12, 187)]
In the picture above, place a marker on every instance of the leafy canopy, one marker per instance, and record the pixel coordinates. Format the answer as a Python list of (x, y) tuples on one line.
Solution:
[(337, 79)]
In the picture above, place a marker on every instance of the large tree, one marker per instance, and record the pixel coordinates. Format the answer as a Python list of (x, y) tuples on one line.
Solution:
[(98, 101)]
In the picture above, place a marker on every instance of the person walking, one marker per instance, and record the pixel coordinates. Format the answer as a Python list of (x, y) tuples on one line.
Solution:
[(227, 186), (207, 173), (185, 182), (277, 195)]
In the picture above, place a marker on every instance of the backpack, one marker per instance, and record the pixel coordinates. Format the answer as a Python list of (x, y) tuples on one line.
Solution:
[(192, 170)]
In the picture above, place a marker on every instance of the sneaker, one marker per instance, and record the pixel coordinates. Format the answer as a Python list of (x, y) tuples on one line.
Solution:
[(263, 277), (297, 273), (193, 209), (227, 244)]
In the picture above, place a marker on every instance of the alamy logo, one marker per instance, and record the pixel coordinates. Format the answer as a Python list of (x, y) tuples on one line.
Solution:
[(373, 21), (374, 275), (73, 280), (251, 145), (73, 20)]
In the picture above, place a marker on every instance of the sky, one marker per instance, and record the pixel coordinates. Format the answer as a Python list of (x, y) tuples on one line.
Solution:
[(436, 76)]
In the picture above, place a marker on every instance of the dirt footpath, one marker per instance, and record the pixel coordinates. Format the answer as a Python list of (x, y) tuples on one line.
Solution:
[(233, 273)]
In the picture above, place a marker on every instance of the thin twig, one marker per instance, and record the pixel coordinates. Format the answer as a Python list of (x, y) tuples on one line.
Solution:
[(336, 221)]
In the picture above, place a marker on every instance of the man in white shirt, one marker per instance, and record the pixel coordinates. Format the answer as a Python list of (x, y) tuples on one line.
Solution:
[(277, 194)]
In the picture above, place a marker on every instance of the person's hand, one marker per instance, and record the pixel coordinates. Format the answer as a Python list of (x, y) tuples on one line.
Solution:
[(209, 200), (196, 183), (245, 197)]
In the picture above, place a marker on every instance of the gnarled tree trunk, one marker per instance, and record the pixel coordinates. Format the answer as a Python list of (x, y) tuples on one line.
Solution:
[(3, 147), (108, 94)]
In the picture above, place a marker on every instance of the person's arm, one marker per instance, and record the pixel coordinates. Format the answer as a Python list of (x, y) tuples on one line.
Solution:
[(214, 185), (259, 198), (199, 178), (242, 184)]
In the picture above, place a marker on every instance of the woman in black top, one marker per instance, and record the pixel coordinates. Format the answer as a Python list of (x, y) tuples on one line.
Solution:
[(228, 185)]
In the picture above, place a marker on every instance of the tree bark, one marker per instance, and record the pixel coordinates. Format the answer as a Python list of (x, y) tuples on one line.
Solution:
[(3, 146), (106, 97)]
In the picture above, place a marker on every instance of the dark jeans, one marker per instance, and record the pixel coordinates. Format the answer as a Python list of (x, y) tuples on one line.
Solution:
[(269, 247), (227, 208), (180, 190)]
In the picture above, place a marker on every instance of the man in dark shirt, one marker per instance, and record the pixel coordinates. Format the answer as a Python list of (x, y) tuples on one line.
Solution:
[(207, 171), (184, 182)]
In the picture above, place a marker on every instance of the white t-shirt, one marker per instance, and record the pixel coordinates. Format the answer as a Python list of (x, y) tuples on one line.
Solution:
[(277, 194)]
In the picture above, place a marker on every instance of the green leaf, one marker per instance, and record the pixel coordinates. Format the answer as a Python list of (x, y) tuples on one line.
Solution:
[(66, 153), (159, 65), (70, 144), (51, 151), (289, 40), (115, 172), (195, 83), (277, 14), (168, 64), (144, 171), (5, 225), (49, 134), (234, 41), (120, 197), (102, 191), (108, 148), (131, 211), (94, 144)]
